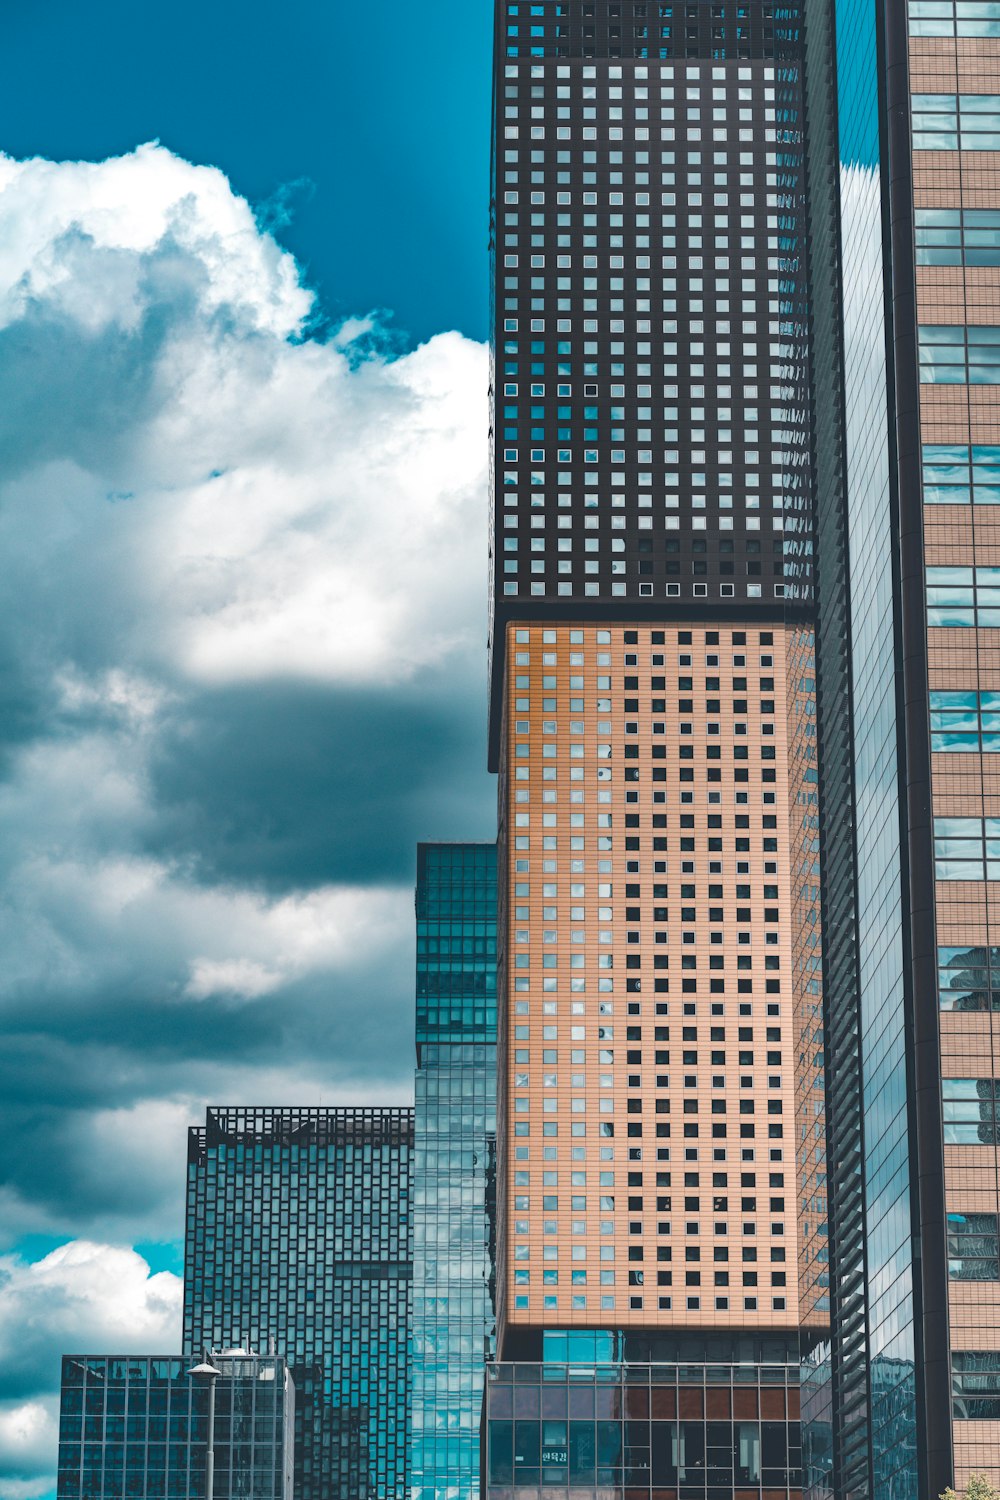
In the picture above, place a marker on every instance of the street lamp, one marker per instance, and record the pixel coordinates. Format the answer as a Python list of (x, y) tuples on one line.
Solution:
[(208, 1372)]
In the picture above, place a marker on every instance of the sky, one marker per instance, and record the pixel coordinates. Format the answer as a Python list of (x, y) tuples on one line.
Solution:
[(361, 129), (243, 470)]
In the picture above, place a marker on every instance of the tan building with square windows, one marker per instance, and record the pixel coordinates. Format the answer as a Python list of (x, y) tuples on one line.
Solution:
[(648, 1062)]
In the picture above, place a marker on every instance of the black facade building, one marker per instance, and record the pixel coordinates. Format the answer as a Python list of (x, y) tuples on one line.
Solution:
[(651, 396), (299, 1231)]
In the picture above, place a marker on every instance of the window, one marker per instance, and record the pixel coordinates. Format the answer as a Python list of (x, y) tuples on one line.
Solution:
[(962, 354), (973, 1247), (963, 596), (955, 474), (969, 978), (970, 1111), (965, 721), (945, 18), (967, 848), (951, 237), (952, 122), (975, 1385)]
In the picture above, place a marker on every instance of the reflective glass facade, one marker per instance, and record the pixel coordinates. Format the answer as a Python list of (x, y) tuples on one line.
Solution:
[(670, 1431), (912, 1214), (299, 1229), (867, 1391), (454, 1125), (137, 1426), (873, 533)]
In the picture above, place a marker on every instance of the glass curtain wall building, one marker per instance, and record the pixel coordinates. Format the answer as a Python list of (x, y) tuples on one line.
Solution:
[(454, 1126), (719, 1431), (909, 94), (137, 1426), (299, 1230)]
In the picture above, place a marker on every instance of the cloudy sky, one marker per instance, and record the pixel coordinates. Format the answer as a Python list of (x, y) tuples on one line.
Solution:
[(243, 529)]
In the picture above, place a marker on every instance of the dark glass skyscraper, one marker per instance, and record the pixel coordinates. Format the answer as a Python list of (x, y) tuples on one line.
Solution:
[(904, 105), (454, 1126), (299, 1230)]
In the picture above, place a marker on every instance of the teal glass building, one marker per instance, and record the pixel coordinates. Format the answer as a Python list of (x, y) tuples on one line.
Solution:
[(299, 1232), (453, 1131)]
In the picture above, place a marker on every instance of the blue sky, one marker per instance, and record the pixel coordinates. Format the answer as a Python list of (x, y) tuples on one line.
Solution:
[(243, 452), (370, 122)]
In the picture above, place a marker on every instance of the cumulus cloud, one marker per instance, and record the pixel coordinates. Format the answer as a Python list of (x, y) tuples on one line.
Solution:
[(83, 1297), (123, 209), (28, 1434), (241, 672), (258, 501)]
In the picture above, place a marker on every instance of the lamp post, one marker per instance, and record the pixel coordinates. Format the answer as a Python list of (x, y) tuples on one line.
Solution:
[(208, 1372)]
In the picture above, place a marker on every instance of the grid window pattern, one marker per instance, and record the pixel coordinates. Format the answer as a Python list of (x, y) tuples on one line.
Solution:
[(650, 397), (958, 237), (454, 1124), (963, 354), (956, 122), (658, 29), (806, 980), (975, 1385), (299, 1228), (596, 433), (651, 443), (973, 1248), (969, 978), (456, 943), (137, 1426), (956, 474), (648, 1078), (954, 17), (702, 1431), (963, 596), (967, 848), (970, 1111), (965, 721)]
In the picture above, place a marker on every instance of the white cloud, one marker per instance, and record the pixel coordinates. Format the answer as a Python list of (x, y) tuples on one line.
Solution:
[(83, 1297), (93, 1296), (231, 976), (125, 905), (200, 498), (201, 495), (29, 1431), (59, 216), (282, 505)]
